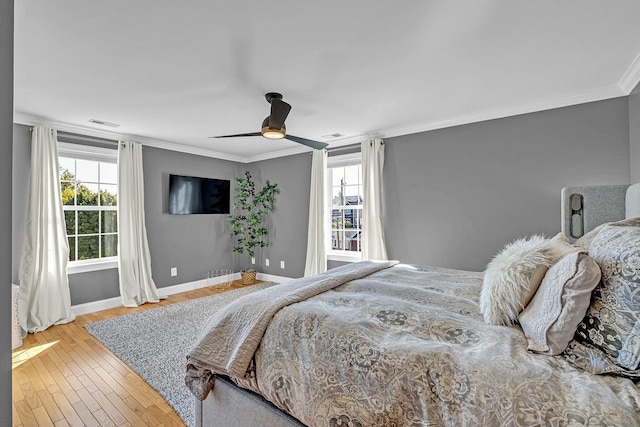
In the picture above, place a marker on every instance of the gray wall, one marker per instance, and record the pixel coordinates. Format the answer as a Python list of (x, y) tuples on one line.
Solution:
[(454, 196), (20, 193), (288, 224), (6, 131), (192, 243), (634, 133)]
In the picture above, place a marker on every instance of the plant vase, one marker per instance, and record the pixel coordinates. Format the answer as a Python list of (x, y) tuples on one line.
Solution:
[(248, 277)]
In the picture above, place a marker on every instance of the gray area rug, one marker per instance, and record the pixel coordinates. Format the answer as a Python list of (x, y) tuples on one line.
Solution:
[(154, 343)]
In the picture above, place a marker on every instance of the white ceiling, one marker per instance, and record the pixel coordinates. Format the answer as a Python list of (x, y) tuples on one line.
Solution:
[(172, 73)]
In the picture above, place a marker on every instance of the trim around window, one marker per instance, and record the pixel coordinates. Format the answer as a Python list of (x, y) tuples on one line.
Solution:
[(344, 160), (87, 265), (344, 256)]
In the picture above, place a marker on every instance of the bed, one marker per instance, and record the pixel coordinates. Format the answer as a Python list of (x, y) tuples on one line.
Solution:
[(384, 343)]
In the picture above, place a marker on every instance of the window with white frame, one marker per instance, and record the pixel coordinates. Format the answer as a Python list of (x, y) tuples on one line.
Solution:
[(89, 186), (344, 177)]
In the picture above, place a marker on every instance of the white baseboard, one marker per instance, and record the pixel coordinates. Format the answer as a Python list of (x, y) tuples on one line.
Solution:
[(273, 278), (92, 307)]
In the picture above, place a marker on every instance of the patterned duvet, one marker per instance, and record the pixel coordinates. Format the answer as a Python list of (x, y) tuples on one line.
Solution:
[(407, 346)]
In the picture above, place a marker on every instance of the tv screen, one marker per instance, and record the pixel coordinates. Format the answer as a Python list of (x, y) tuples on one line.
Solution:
[(193, 195)]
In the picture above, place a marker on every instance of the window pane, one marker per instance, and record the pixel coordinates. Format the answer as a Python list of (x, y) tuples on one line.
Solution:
[(359, 218), (110, 245), (109, 221), (352, 195), (352, 175), (108, 194), (336, 218), (337, 240), (87, 170), (67, 168), (88, 247), (70, 221), (350, 218), (68, 193), (337, 176), (72, 248), (108, 173), (352, 241), (88, 222), (87, 194), (336, 197)]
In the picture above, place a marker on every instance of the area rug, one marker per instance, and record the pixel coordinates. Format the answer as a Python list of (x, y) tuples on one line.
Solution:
[(154, 343)]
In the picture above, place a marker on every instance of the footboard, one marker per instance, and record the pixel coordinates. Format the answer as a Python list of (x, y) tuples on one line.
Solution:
[(229, 406)]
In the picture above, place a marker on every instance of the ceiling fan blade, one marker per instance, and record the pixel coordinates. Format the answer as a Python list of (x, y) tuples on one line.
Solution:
[(308, 142), (279, 112), (239, 134)]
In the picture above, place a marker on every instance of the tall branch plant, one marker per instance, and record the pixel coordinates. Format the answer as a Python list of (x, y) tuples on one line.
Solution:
[(251, 206)]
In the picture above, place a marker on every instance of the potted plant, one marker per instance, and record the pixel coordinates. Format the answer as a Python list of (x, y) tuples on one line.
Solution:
[(251, 206)]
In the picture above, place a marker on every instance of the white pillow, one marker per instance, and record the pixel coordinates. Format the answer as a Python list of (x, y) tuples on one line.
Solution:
[(552, 318), (507, 280)]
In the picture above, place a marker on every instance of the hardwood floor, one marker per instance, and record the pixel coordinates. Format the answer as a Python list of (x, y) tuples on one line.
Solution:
[(65, 377)]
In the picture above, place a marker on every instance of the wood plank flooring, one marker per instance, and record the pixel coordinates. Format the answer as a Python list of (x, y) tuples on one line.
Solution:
[(65, 377)]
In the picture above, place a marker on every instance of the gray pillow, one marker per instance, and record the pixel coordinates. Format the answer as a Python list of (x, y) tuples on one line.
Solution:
[(612, 323), (550, 320)]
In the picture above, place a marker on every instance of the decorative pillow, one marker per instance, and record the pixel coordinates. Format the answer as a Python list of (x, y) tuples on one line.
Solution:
[(584, 241), (594, 361), (560, 247), (551, 319), (612, 323), (507, 279)]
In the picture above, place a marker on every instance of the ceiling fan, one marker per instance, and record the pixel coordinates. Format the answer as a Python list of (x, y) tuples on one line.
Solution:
[(273, 126)]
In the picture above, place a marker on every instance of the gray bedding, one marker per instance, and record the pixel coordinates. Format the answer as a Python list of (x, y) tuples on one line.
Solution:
[(407, 346)]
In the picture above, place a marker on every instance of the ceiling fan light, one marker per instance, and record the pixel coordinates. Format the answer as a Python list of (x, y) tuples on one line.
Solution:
[(270, 133)]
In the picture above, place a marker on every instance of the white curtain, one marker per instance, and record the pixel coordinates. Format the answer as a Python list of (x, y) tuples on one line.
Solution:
[(134, 260), (44, 298), (317, 236), (373, 243)]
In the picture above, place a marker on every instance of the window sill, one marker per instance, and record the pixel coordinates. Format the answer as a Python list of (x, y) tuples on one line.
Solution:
[(85, 266), (344, 257)]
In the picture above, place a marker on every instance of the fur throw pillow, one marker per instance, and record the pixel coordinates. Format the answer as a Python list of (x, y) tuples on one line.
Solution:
[(507, 280)]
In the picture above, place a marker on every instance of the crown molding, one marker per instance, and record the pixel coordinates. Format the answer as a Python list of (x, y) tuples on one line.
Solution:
[(631, 77), (547, 104), (30, 120)]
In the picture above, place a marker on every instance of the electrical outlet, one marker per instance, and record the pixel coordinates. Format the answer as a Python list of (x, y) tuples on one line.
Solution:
[(281, 264), (253, 260), (266, 262), (174, 271)]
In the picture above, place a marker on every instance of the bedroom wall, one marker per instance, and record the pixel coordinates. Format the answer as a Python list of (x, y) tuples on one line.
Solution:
[(634, 133), (289, 222), (6, 131), (454, 196), (20, 193), (192, 243)]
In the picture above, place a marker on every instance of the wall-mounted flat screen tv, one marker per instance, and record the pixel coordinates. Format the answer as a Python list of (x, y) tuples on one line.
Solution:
[(194, 195)]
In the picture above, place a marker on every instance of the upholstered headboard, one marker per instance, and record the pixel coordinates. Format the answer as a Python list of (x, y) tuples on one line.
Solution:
[(584, 208)]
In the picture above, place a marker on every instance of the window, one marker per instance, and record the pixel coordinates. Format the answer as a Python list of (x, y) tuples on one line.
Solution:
[(344, 177), (89, 186)]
